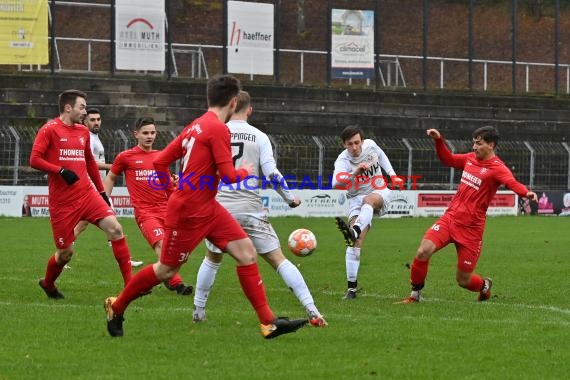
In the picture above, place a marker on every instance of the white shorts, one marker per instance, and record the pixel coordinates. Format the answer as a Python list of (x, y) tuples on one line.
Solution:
[(355, 204), (259, 230)]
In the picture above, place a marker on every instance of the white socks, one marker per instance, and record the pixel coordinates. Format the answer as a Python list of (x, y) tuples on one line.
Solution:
[(204, 282), (352, 263), (295, 281)]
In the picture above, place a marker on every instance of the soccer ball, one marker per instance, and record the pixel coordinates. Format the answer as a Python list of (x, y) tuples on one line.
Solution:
[(302, 242)]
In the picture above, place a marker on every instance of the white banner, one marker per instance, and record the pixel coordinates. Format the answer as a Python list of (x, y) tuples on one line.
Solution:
[(140, 35), (250, 39), (12, 202), (315, 203), (352, 43)]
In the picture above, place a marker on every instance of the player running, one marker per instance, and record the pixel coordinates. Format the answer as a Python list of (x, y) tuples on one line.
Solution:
[(242, 200), (194, 214), (463, 223), (149, 203), (62, 149)]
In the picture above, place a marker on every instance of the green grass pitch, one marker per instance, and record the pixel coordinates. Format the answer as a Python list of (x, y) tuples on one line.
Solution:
[(521, 333)]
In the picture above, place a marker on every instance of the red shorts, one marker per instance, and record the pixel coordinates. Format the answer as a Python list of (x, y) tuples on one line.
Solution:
[(468, 241), (179, 241), (91, 207), (152, 229)]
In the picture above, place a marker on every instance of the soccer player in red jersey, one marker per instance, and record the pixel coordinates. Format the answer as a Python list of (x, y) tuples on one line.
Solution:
[(149, 203), (463, 222), (194, 214), (62, 149)]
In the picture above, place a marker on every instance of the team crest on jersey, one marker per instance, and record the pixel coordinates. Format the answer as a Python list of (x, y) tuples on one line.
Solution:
[(82, 141), (483, 170), (197, 128)]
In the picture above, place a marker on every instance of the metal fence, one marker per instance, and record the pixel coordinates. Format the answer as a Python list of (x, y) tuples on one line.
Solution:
[(538, 164), (499, 46)]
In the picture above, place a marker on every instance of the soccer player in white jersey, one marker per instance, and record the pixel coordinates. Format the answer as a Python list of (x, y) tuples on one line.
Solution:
[(244, 202), (358, 169), (93, 122)]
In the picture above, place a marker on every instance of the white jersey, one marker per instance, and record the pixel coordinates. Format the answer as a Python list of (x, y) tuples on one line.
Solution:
[(98, 151), (345, 165), (251, 145)]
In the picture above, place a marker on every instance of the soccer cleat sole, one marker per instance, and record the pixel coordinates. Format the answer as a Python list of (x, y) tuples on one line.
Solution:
[(345, 230), (282, 326)]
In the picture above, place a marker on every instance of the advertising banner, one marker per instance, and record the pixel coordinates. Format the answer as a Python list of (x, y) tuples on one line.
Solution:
[(33, 201), (553, 203), (352, 43), (315, 203), (250, 40), (140, 35), (24, 32), (434, 203), (12, 202)]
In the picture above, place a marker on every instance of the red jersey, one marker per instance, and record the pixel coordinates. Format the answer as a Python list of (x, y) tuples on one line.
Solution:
[(204, 147), (480, 181), (137, 165), (59, 145)]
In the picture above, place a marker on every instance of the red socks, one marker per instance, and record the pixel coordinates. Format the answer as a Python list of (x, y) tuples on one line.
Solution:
[(141, 283), (419, 271), (175, 281), (252, 286), (123, 257), (53, 270), (475, 283)]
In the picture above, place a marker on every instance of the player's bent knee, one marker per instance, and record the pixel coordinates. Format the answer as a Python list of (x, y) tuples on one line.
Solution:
[(63, 256), (114, 231)]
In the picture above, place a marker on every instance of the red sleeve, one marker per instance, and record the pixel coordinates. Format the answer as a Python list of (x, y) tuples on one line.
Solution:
[(41, 145), (118, 166), (220, 143), (456, 161), (92, 168), (167, 156), (505, 176), (229, 174)]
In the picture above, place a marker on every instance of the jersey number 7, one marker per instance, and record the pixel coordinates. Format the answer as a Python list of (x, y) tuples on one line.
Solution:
[(239, 154)]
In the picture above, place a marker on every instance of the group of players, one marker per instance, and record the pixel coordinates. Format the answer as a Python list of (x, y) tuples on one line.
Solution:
[(221, 144)]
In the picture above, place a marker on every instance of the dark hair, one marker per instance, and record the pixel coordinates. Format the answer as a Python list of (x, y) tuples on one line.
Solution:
[(142, 121), (488, 133), (93, 110), (243, 101), (70, 97), (222, 89), (350, 131)]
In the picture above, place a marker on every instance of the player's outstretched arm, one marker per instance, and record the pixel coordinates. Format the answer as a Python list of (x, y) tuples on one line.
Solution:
[(531, 195), (433, 133)]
